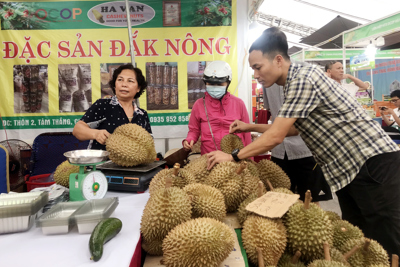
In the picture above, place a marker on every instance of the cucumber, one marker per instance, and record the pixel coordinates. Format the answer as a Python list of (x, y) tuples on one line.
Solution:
[(104, 231)]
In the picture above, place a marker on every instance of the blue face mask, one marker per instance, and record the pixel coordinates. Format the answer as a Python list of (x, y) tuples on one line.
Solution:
[(215, 91)]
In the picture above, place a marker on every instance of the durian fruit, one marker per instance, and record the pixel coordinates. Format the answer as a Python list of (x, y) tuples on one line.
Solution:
[(207, 201), (343, 231), (368, 252), (269, 170), (230, 142), (242, 213), (308, 228), (180, 178), (196, 148), (336, 255), (226, 177), (131, 145), (265, 234), (62, 172), (202, 242), (252, 167), (279, 189), (165, 209), (250, 182), (198, 168), (327, 262), (288, 260), (333, 216)]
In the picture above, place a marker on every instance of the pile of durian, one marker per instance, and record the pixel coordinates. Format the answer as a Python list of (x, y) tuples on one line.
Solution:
[(182, 221)]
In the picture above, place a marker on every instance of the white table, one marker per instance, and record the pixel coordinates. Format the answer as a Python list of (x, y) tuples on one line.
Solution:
[(32, 248)]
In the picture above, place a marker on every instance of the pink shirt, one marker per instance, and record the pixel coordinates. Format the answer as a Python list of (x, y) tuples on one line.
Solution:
[(221, 114)]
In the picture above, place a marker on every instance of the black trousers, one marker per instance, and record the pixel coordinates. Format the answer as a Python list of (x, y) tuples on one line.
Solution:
[(372, 201), (305, 174)]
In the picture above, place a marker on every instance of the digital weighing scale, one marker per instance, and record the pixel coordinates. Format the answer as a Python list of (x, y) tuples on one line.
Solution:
[(131, 179), (87, 185)]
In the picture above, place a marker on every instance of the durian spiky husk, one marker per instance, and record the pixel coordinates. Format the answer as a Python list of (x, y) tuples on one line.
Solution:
[(283, 190), (165, 209), (266, 234), (230, 142), (375, 254), (252, 167), (202, 242), (343, 231), (333, 216), (250, 184), (207, 201), (223, 176), (307, 230), (242, 213), (336, 255), (130, 145), (325, 263), (183, 178), (153, 247), (62, 172), (198, 168), (285, 261), (269, 170)]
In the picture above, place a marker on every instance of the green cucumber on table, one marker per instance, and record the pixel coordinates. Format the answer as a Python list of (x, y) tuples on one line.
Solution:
[(104, 231)]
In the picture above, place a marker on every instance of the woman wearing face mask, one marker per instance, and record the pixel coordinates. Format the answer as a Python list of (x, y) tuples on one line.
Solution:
[(212, 115)]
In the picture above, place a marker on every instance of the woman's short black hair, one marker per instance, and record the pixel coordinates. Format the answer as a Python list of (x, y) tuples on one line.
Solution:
[(141, 80)]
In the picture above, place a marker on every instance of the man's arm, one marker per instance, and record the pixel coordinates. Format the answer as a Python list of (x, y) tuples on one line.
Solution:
[(239, 127), (268, 140), (361, 85)]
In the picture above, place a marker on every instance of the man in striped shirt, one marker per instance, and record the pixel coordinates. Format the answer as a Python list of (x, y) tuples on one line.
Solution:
[(360, 162)]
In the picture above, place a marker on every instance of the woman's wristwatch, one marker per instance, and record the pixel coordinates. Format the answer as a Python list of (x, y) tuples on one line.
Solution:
[(234, 154)]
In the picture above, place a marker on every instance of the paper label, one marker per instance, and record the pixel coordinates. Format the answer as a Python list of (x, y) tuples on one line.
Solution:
[(76, 184), (272, 204)]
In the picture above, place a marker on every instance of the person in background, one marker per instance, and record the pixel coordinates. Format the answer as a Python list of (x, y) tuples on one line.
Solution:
[(359, 160), (105, 115), (212, 115), (393, 122), (334, 70)]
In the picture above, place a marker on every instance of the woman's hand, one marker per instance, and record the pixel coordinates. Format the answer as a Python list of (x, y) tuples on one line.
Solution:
[(188, 146), (101, 136)]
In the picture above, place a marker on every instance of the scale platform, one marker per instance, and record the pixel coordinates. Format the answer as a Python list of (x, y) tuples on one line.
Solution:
[(130, 179)]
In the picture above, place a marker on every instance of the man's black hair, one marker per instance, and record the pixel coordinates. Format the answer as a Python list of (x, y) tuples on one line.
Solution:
[(272, 42), (329, 65), (395, 93)]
